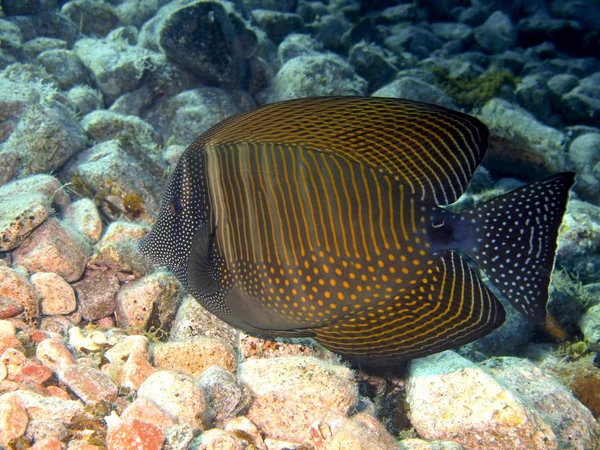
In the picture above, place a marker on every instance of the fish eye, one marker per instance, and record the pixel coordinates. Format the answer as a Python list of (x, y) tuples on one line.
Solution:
[(175, 207)]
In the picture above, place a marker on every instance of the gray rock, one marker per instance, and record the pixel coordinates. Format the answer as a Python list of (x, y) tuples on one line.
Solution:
[(472, 16), (297, 45), (45, 428), (56, 295), (50, 23), (450, 31), (416, 40), (533, 94), (572, 423), (374, 64), (178, 395), (333, 31), (308, 76), (275, 5), (520, 145), (497, 34), (311, 11), (117, 65), (68, 412), (35, 46), (108, 172), (182, 118), (452, 398), (20, 7), (19, 216), (53, 248), (510, 59), (136, 12), (590, 327), (584, 152), (65, 67), (277, 24), (582, 104), (415, 89), (96, 19), (45, 138), (6, 59), (83, 216), (407, 12), (11, 37), (132, 103), (226, 396), (96, 295), (85, 99), (584, 12), (561, 84)]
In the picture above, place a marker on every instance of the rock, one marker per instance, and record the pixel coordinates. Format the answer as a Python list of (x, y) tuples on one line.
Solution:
[(9, 308), (307, 76), (110, 173), (147, 411), (452, 398), (91, 385), (533, 94), (497, 33), (374, 64), (241, 426), (84, 217), (572, 423), (452, 31), (202, 38), (94, 341), (19, 216), (415, 89), (96, 19), (179, 437), (582, 104), (179, 396), (96, 294), (33, 47), (590, 327), (122, 350), (183, 117), (136, 434), (254, 347), (290, 393), (421, 444), (34, 372), (360, 432), (135, 371), (297, 45), (193, 321), (52, 248), (583, 152), (85, 99), (194, 357), (226, 397), (21, 7), (54, 354), (45, 138), (40, 429), (134, 102), (520, 145), (56, 295), (561, 84), (413, 39), (15, 287), (65, 67), (47, 444), (335, 32), (150, 301), (37, 406), (11, 36), (216, 438), (13, 419), (277, 25), (117, 66)]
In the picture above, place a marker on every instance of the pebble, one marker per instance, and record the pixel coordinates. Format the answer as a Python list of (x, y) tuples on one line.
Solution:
[(94, 341), (359, 432), (54, 354), (178, 395), (16, 288), (497, 33), (19, 217), (56, 295), (96, 295), (83, 215), (53, 248), (9, 308), (241, 425), (122, 350), (66, 411), (291, 392), (194, 356), (217, 439), (45, 428), (136, 434), (452, 398), (91, 385), (47, 444), (13, 418), (226, 396), (135, 371)]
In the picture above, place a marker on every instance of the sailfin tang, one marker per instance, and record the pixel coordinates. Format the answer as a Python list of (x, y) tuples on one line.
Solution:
[(514, 238), (432, 150), (451, 306)]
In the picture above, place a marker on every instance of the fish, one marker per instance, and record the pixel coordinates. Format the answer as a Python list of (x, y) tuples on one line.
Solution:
[(327, 218)]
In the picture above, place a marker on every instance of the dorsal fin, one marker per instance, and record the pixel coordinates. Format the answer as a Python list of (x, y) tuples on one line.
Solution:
[(431, 149)]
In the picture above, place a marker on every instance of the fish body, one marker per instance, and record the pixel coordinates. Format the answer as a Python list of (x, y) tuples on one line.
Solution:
[(323, 217)]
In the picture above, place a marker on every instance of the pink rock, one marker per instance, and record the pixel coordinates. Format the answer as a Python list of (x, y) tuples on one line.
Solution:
[(96, 294), (54, 354), (51, 248), (8, 341), (105, 322), (13, 418), (57, 296), (195, 356), (53, 408), (16, 287), (89, 384), (55, 391), (47, 444), (135, 434), (135, 371), (9, 308), (36, 373), (147, 411), (121, 351), (83, 215), (216, 438), (38, 336), (14, 361)]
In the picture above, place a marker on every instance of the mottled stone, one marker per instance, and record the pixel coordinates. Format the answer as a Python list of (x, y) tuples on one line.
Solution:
[(452, 398), (135, 371), (253, 347), (54, 354), (56, 295), (19, 216), (421, 444), (361, 432), (8, 340), (290, 393), (96, 19), (9, 308), (34, 372), (89, 384), (52, 248), (136, 434), (179, 437), (47, 444), (13, 418), (242, 426), (15, 287), (83, 215), (96, 294), (37, 406), (147, 411), (195, 356), (179, 396), (216, 438), (226, 397), (151, 299), (14, 360), (122, 350)]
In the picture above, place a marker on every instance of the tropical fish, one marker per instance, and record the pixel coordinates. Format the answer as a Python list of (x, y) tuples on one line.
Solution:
[(323, 217)]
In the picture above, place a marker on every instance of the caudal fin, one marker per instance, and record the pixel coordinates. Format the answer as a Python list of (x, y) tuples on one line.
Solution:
[(514, 240)]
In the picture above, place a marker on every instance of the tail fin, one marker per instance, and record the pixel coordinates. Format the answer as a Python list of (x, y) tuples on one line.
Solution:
[(513, 239)]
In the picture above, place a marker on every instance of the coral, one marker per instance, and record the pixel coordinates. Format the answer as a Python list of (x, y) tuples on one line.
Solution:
[(469, 92)]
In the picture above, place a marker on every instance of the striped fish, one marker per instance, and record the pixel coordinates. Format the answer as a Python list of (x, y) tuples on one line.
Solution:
[(322, 217)]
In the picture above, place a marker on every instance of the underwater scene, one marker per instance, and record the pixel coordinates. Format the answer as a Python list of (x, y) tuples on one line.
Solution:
[(299, 225)]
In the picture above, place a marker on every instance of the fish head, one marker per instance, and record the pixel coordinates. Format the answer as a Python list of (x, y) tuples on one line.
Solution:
[(184, 209)]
